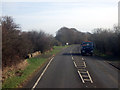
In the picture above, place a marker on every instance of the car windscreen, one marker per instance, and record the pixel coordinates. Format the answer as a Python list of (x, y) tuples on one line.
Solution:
[(87, 44)]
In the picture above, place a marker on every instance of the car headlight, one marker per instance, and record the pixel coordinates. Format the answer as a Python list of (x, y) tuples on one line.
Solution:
[(91, 50)]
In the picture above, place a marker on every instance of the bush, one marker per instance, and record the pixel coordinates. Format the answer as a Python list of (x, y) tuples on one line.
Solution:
[(107, 41), (17, 44)]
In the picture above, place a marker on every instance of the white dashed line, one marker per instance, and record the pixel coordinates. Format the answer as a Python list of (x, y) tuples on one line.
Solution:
[(41, 74)]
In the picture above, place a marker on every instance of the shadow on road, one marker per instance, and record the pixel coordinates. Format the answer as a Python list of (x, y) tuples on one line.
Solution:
[(113, 62), (73, 54)]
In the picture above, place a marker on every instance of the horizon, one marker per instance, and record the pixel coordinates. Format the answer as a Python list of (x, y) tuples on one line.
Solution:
[(51, 16)]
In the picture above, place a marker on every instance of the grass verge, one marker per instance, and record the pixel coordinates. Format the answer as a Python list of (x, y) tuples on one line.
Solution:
[(105, 56), (96, 52), (16, 80)]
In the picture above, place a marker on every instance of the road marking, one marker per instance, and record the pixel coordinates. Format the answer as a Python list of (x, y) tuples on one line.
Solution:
[(42, 74), (80, 65), (83, 72), (84, 64), (75, 64), (90, 77), (84, 76), (82, 58), (72, 58), (81, 77), (82, 69), (86, 79)]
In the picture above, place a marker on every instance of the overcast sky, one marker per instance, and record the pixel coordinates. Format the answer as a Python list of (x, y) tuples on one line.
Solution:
[(51, 15)]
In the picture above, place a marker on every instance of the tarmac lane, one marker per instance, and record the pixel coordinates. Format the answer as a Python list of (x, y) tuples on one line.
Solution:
[(69, 69)]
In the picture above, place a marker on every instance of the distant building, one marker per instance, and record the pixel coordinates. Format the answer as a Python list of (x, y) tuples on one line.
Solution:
[(119, 13)]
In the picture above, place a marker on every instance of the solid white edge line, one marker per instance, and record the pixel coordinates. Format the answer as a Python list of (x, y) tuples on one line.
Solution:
[(42, 74), (84, 64), (90, 77), (81, 77)]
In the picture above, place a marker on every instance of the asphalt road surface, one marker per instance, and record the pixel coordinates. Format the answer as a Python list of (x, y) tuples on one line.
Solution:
[(69, 69)]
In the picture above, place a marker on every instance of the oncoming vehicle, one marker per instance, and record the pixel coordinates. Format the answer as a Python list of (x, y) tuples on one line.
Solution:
[(87, 48)]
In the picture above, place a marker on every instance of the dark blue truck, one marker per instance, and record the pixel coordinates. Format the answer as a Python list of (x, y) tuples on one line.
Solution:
[(87, 48)]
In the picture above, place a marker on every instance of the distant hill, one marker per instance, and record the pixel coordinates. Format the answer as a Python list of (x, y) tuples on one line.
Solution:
[(70, 35)]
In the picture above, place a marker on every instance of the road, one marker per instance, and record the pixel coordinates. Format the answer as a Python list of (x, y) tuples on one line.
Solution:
[(69, 69)]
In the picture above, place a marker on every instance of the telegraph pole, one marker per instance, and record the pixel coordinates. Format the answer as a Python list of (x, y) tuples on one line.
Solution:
[(119, 13)]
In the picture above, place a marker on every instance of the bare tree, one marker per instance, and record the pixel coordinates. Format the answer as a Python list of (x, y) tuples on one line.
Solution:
[(17, 44)]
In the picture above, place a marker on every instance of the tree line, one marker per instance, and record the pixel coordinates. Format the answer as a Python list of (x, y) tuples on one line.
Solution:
[(16, 44), (106, 41)]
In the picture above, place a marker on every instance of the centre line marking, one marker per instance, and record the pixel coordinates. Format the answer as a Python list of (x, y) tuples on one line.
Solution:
[(81, 77), (84, 64), (90, 77), (42, 74)]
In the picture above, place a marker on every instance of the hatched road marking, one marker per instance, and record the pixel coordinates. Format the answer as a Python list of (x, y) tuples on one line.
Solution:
[(81, 76), (84, 64), (83, 73), (90, 77), (75, 64)]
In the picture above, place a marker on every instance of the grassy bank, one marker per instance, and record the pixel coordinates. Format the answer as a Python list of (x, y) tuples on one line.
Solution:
[(98, 53), (21, 76), (106, 56)]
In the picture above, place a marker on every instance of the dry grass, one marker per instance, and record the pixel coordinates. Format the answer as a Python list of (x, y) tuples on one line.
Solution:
[(11, 71)]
